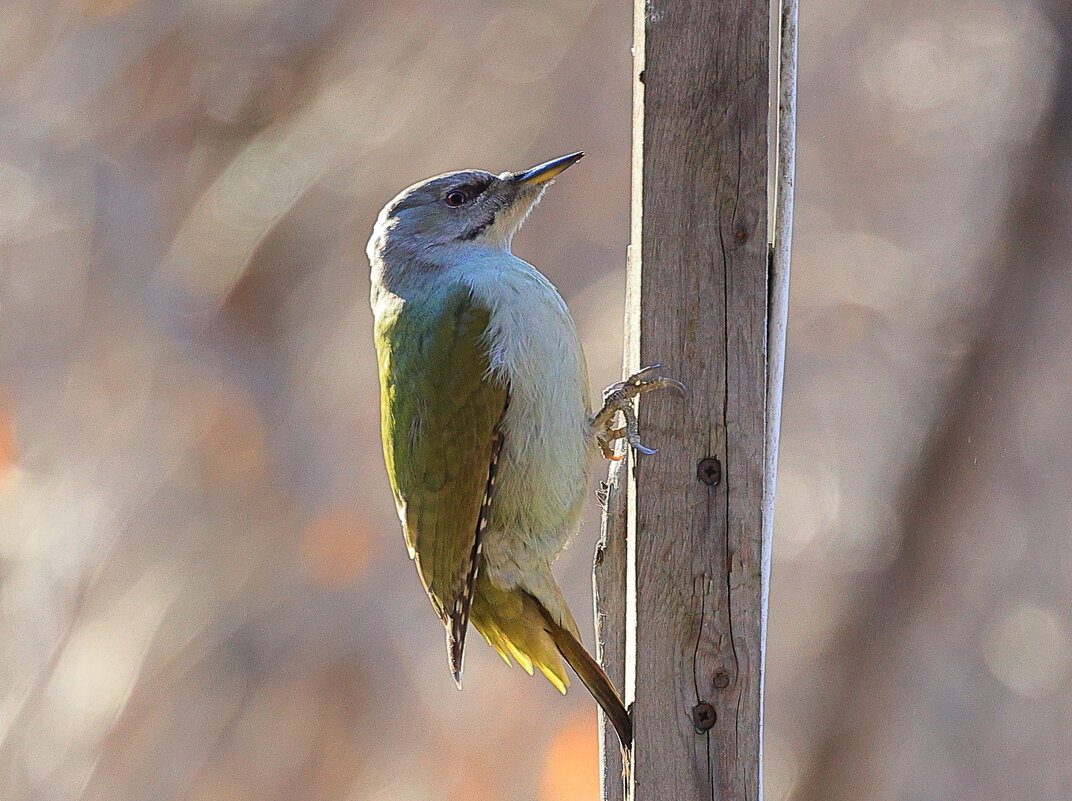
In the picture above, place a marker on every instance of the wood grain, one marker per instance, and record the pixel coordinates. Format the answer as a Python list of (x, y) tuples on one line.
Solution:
[(699, 294), (609, 580)]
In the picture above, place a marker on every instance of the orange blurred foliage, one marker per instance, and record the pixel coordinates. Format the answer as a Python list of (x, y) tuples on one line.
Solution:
[(336, 547), (234, 443), (571, 772), (8, 452)]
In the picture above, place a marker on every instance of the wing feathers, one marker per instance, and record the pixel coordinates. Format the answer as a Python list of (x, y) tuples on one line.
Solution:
[(459, 615), (441, 411)]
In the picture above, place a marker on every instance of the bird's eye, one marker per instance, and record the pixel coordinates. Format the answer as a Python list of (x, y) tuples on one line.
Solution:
[(456, 198)]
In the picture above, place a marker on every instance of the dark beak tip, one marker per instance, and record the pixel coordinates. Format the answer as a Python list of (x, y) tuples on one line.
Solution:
[(548, 170), (572, 158)]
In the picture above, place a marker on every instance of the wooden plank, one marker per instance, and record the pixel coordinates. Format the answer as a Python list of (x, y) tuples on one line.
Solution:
[(718, 555), (696, 508)]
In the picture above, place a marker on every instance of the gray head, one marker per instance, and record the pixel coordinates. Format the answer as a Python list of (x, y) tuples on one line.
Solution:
[(469, 206)]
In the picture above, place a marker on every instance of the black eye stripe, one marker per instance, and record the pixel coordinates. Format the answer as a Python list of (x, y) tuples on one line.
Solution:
[(471, 189), (476, 230)]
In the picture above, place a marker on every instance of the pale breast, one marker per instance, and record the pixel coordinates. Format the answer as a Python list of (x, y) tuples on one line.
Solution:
[(543, 472)]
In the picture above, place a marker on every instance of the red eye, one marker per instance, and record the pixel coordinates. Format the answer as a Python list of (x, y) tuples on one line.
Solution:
[(456, 198)]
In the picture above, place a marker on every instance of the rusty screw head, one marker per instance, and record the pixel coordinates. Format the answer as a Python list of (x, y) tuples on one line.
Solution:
[(709, 471), (703, 717), (722, 679)]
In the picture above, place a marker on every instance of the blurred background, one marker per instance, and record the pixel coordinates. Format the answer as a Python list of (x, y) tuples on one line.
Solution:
[(204, 594)]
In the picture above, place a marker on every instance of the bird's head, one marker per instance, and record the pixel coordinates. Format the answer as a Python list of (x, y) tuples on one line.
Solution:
[(457, 208)]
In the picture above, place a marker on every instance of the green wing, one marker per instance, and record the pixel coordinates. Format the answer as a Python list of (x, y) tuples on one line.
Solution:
[(440, 413)]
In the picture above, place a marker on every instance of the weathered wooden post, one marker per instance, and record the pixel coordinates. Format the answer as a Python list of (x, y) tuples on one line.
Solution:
[(682, 575)]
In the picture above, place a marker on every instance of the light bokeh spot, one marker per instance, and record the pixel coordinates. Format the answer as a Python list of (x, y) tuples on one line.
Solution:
[(1028, 650)]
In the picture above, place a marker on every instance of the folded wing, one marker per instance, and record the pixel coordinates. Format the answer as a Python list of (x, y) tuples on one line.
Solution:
[(440, 414)]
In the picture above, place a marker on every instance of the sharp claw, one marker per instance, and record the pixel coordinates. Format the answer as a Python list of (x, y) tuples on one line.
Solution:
[(618, 398), (680, 389), (644, 381)]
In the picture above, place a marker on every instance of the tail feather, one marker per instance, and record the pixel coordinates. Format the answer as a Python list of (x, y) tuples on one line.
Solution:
[(510, 620), (589, 672), (518, 624)]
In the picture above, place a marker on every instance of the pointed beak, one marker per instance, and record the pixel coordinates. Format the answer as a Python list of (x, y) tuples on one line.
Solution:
[(542, 173)]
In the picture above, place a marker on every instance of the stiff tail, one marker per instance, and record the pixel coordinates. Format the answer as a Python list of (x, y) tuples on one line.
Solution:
[(589, 672), (518, 624)]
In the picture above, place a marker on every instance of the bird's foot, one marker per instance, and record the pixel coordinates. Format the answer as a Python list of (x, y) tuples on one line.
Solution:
[(619, 398)]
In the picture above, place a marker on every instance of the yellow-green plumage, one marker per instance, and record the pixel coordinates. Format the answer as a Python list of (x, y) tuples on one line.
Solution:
[(437, 452), (434, 346), (512, 623), (487, 429)]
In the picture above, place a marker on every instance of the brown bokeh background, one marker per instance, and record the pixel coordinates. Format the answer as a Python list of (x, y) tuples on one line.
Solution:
[(204, 594)]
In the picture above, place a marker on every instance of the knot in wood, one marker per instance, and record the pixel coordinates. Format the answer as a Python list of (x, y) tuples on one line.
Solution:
[(722, 679), (709, 471), (703, 717)]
